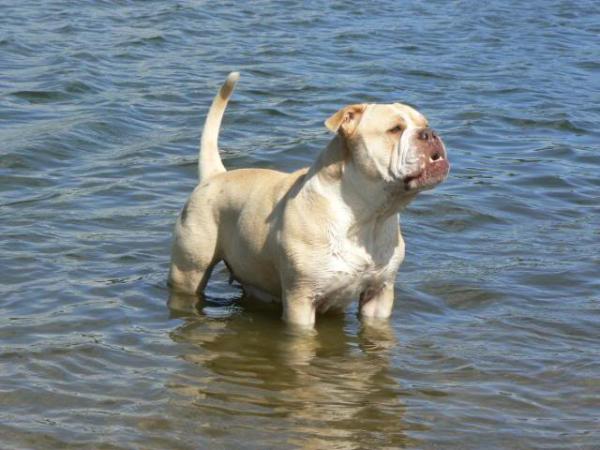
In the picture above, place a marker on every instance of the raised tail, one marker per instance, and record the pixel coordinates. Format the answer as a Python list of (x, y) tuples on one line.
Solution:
[(209, 161)]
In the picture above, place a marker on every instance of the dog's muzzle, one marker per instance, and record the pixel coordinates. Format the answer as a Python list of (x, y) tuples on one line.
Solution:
[(434, 165)]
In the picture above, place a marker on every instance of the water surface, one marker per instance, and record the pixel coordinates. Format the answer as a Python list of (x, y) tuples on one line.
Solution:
[(494, 341)]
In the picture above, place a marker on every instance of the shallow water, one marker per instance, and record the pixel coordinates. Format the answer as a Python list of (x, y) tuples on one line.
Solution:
[(494, 341)]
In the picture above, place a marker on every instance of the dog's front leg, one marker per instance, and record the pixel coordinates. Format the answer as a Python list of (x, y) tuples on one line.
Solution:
[(378, 305), (299, 307)]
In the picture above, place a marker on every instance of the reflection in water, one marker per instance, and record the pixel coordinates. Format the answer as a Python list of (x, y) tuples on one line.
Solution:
[(329, 387)]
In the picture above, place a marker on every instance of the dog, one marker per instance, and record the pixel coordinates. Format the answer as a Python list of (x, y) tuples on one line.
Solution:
[(318, 238)]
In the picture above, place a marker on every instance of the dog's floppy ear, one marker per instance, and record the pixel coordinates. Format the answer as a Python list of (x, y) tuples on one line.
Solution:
[(346, 119)]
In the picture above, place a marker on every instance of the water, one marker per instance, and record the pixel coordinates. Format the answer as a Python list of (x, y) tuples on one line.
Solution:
[(494, 341)]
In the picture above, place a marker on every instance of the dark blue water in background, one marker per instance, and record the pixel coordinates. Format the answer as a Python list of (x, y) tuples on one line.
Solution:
[(495, 337)]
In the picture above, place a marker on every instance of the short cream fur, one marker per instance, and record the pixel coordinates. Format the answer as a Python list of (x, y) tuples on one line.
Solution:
[(318, 238)]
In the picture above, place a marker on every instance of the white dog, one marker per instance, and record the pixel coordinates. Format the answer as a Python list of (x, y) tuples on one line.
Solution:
[(317, 238)]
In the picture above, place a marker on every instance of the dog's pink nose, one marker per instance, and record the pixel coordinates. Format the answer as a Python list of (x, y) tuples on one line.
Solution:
[(431, 144), (427, 134)]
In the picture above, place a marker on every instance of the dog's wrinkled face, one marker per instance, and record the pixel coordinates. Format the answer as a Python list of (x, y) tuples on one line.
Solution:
[(392, 143)]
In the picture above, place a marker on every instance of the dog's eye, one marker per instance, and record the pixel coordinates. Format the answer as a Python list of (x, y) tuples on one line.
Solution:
[(397, 129)]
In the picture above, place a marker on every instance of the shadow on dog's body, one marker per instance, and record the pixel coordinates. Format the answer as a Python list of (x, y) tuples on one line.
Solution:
[(322, 236)]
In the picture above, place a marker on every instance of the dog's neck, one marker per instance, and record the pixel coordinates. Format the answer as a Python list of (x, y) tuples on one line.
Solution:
[(365, 202)]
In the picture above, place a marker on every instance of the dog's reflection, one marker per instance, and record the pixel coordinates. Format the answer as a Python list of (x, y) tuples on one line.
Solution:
[(329, 385)]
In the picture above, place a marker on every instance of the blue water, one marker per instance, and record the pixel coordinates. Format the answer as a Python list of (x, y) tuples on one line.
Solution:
[(495, 337)]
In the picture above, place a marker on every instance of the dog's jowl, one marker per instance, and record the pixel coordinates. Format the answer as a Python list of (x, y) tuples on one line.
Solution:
[(318, 238)]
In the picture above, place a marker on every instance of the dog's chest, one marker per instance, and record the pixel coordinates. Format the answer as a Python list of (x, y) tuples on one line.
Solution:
[(350, 269)]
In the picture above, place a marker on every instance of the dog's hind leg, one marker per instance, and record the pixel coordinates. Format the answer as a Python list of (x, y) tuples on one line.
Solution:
[(194, 254), (190, 279)]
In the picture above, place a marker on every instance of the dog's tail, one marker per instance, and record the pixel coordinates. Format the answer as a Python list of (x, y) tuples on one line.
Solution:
[(209, 161)]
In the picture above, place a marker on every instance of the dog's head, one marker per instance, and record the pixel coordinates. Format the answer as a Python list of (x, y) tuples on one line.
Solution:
[(393, 144)]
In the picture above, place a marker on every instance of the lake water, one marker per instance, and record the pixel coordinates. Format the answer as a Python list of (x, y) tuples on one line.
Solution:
[(495, 337)]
